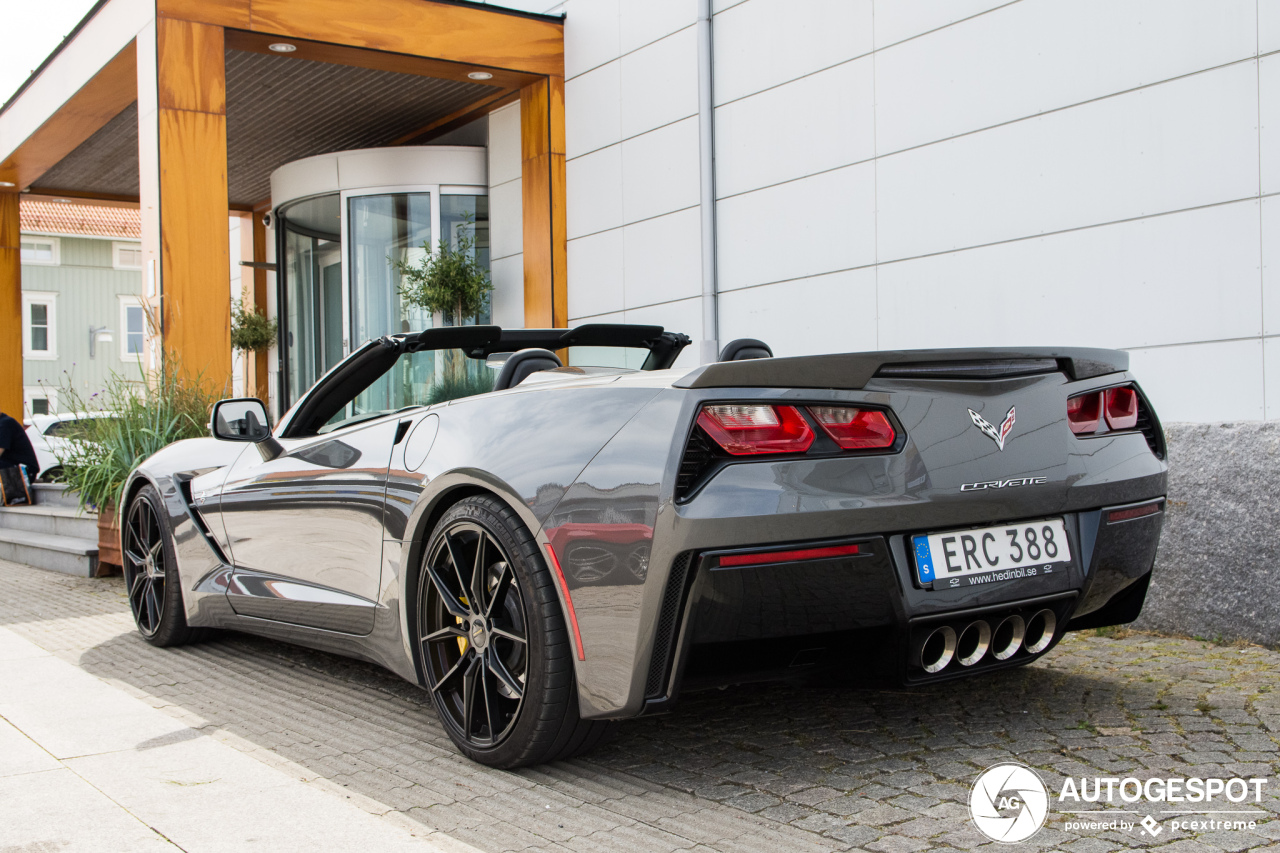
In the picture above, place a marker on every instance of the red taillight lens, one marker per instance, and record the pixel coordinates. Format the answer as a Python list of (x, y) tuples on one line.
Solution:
[(744, 429), (731, 560), (855, 429), (1121, 407), (1084, 412)]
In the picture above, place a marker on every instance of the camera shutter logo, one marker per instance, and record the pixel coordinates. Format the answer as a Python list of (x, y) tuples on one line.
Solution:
[(1009, 803)]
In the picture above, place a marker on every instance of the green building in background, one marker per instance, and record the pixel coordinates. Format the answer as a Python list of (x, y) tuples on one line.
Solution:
[(82, 316)]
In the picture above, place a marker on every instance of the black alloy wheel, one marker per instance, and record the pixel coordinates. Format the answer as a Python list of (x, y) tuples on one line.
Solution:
[(496, 655), (150, 573), (476, 638)]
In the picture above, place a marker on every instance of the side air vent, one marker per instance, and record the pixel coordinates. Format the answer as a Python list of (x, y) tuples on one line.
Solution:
[(697, 457), (984, 369), (668, 621), (1149, 428)]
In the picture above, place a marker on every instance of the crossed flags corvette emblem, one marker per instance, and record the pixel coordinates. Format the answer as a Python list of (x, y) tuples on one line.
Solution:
[(989, 429)]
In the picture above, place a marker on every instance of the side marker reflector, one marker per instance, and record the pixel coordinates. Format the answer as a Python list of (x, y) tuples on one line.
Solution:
[(795, 556), (568, 600), (1132, 512)]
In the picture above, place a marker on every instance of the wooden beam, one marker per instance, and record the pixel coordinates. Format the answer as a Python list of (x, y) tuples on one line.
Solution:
[(358, 57), (10, 308), (258, 374), (473, 35), (542, 137), (458, 118), (221, 13), (192, 130), (103, 98)]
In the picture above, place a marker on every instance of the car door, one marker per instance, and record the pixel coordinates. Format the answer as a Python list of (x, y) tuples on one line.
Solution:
[(305, 528)]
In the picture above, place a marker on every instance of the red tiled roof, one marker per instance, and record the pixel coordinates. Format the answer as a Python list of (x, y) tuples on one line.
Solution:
[(93, 220)]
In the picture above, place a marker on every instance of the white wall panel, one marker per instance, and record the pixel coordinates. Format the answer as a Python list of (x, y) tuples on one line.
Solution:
[(828, 313), (1268, 25), (1269, 120), (663, 259), (896, 20), (1271, 366), (508, 291), (504, 144), (595, 274), (1039, 55), (590, 35), (613, 317), (807, 227), (1169, 279), (660, 171), (762, 43), (593, 110), (1271, 266), (1174, 378), (506, 219), (593, 189), (660, 83), (813, 124), (684, 316), (642, 22), (1181, 144)]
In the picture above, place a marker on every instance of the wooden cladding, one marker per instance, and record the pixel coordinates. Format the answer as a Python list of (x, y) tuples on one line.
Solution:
[(542, 146), (10, 308), (103, 97), (194, 263)]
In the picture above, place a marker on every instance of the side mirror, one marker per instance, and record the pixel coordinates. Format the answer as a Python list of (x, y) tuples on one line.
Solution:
[(241, 419)]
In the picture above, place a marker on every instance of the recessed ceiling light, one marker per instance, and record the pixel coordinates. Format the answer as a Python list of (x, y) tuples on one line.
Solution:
[(282, 47), (62, 200), (480, 75), (7, 184)]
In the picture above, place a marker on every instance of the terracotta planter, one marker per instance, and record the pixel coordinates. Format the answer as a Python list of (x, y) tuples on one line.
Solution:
[(110, 561)]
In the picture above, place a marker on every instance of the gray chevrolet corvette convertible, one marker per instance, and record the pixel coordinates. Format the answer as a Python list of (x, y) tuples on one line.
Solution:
[(552, 529)]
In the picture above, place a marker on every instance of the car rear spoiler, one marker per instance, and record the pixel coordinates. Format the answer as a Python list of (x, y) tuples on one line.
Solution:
[(855, 369)]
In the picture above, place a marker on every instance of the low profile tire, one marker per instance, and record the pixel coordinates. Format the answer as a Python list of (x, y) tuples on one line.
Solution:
[(496, 656), (151, 573)]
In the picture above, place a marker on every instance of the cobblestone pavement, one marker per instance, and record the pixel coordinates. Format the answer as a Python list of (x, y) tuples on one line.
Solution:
[(769, 769)]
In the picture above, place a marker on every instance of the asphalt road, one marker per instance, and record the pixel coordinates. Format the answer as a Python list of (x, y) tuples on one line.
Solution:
[(769, 769)]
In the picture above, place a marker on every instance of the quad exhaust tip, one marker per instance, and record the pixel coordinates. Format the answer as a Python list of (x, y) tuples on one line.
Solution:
[(1006, 639), (973, 643), (1040, 630), (938, 649)]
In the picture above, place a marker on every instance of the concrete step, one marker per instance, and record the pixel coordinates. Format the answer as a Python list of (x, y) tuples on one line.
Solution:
[(55, 494), (68, 554), (51, 519)]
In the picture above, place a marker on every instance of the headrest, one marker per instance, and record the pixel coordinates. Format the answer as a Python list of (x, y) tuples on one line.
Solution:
[(523, 362), (745, 348)]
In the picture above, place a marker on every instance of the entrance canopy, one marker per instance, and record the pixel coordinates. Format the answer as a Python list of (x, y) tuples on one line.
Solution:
[(184, 107)]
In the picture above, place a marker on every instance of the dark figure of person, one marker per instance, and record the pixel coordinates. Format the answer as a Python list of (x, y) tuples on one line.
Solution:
[(15, 447)]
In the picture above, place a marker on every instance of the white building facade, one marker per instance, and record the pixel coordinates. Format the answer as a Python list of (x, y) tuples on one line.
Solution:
[(895, 174)]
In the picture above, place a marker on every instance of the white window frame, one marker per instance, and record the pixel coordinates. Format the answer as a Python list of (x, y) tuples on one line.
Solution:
[(33, 392), (127, 302), (49, 299), (117, 247), (55, 242)]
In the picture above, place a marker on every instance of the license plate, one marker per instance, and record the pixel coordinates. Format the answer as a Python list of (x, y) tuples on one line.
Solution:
[(991, 554)]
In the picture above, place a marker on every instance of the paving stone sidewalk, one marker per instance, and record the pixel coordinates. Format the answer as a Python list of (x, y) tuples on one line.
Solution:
[(762, 768)]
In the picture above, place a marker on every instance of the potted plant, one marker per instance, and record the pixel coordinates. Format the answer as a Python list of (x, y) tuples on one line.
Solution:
[(251, 331), (454, 283), (137, 419)]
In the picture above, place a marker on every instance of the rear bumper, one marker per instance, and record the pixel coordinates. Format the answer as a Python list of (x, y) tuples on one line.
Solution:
[(865, 615)]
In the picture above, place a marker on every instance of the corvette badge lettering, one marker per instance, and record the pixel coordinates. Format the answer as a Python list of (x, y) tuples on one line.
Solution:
[(996, 435), (1004, 484)]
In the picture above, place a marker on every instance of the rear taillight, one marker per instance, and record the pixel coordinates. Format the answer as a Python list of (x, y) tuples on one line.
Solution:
[(1084, 412), (746, 429), (1121, 407), (855, 429)]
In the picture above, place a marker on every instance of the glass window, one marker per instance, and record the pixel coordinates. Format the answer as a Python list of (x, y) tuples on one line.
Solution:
[(312, 271), (39, 405), (385, 229), (39, 250), (126, 256), (132, 324), (418, 379), (39, 327), (467, 216)]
